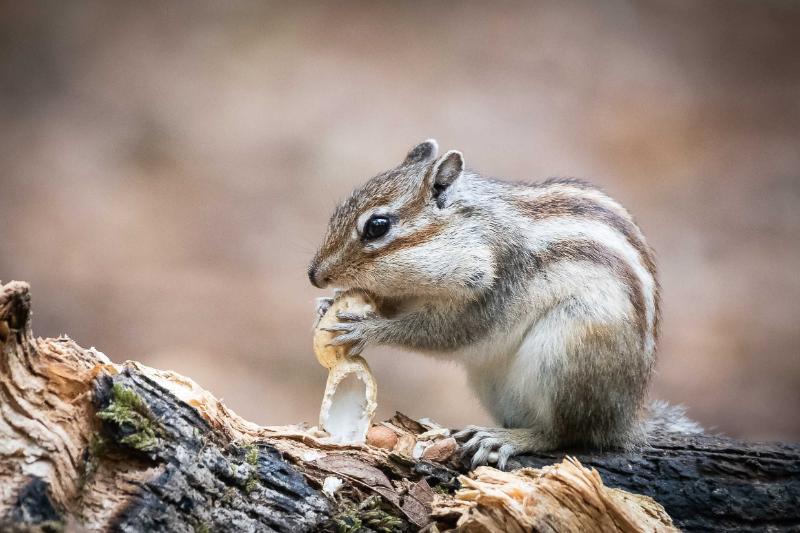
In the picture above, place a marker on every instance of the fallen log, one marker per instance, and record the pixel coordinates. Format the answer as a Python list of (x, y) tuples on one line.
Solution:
[(706, 482), (88, 444)]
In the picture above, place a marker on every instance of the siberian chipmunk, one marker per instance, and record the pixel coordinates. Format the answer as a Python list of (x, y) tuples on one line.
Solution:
[(547, 293)]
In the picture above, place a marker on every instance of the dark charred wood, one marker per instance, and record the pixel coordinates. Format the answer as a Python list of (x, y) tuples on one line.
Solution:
[(206, 482), (705, 482)]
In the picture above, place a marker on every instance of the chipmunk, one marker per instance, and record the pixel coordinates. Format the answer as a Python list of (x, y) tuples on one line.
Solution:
[(547, 293)]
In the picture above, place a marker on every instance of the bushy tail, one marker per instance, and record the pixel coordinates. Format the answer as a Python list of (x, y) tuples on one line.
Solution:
[(662, 417)]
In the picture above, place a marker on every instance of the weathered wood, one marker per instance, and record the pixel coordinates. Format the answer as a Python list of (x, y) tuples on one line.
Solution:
[(124, 447), (148, 462), (706, 483)]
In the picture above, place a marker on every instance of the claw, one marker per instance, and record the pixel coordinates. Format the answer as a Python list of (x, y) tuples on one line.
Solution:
[(335, 328), (486, 447), (476, 441), (323, 304), (503, 455), (349, 317), (354, 330)]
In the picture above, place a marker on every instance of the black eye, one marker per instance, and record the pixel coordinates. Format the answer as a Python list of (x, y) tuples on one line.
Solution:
[(375, 227)]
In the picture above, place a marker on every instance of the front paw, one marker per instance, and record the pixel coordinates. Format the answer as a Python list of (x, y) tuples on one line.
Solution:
[(354, 330)]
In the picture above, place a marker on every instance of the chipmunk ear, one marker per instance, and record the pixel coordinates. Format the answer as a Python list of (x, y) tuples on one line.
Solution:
[(424, 151), (444, 172), (447, 169)]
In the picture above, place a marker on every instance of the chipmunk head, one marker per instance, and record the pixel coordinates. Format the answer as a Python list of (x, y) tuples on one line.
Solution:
[(406, 232)]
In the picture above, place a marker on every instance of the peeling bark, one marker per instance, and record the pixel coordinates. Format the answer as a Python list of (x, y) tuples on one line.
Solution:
[(125, 447)]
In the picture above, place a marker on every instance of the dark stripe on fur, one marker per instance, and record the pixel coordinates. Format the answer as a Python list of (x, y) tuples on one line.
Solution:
[(557, 204), (587, 250), (560, 204), (417, 238)]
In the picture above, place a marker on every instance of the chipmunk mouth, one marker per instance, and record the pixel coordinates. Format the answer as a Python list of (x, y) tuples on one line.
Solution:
[(343, 284)]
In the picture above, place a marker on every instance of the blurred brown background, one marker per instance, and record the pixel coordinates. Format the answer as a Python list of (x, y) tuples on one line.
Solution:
[(168, 170)]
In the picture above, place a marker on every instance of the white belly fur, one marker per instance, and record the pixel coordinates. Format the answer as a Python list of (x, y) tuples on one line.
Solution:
[(514, 373)]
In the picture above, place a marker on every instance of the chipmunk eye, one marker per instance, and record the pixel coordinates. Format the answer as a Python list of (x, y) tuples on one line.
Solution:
[(375, 227)]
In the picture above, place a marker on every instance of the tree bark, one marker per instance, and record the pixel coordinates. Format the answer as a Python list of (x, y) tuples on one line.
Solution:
[(89, 444), (706, 482)]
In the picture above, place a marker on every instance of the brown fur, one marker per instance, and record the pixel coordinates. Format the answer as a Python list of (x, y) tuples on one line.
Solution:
[(582, 404)]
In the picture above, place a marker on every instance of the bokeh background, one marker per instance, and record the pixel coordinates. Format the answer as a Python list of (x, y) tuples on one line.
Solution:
[(167, 170)]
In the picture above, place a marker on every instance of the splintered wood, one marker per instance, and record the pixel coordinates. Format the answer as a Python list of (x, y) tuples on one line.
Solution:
[(561, 497)]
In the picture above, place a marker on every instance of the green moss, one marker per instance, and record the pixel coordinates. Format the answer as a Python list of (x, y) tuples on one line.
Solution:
[(98, 445), (348, 523), (251, 458), (251, 454), (128, 411), (443, 490), (202, 527), (368, 514), (251, 485)]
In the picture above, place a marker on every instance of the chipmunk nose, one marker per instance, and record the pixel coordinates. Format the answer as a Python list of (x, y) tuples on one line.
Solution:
[(314, 277)]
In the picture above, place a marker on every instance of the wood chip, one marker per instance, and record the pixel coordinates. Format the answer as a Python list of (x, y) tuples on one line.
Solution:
[(560, 497), (408, 423), (441, 451), (417, 503)]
